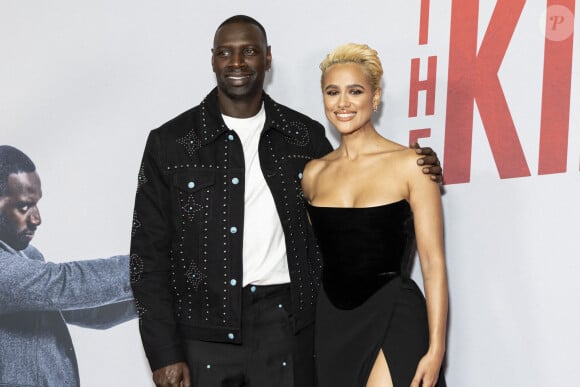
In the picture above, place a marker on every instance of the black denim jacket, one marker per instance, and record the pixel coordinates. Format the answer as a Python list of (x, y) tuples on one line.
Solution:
[(186, 246)]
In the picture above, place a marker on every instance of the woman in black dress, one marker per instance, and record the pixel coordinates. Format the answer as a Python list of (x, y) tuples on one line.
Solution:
[(370, 206)]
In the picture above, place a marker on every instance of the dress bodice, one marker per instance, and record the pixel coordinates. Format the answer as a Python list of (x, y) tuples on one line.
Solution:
[(362, 248)]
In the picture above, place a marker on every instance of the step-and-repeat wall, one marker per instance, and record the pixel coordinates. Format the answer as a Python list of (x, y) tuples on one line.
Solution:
[(490, 85)]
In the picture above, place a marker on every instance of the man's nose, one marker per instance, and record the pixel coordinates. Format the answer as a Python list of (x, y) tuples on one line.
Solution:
[(237, 59), (34, 217)]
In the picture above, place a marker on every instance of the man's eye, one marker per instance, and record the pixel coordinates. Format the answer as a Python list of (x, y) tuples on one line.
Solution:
[(222, 53), (24, 209), (250, 51)]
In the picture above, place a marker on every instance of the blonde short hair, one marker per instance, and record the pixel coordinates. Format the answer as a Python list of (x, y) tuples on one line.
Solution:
[(361, 54)]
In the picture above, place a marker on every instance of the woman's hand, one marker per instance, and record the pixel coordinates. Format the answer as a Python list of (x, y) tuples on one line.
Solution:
[(427, 371)]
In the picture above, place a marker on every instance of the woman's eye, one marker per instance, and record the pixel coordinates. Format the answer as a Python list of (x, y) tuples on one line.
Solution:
[(356, 92), (331, 92)]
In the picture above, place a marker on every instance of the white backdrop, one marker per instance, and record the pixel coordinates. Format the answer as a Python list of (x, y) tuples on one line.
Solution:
[(82, 83)]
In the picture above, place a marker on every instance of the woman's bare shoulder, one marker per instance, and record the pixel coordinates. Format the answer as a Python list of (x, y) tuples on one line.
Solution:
[(393, 153), (402, 154), (316, 165), (313, 166), (311, 172), (388, 147), (399, 161), (310, 175)]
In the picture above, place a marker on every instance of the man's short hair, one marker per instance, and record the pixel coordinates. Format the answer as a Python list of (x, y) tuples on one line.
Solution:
[(12, 161), (245, 19)]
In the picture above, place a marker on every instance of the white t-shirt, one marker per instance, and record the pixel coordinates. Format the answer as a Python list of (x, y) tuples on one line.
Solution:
[(264, 248)]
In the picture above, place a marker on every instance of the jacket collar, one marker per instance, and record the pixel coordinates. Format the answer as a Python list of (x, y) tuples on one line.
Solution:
[(212, 124), (6, 247)]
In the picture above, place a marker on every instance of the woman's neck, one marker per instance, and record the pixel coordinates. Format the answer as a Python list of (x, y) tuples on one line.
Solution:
[(360, 142)]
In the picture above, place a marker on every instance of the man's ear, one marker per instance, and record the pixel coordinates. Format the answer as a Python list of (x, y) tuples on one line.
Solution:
[(268, 58)]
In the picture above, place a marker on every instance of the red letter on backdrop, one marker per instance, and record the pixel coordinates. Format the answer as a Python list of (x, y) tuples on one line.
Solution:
[(428, 85), (473, 76), (424, 23), (555, 119), (416, 134)]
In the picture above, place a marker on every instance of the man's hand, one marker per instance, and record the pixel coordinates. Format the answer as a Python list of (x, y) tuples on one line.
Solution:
[(173, 375), (430, 162)]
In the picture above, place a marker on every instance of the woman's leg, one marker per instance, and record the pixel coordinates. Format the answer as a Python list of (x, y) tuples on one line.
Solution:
[(380, 375)]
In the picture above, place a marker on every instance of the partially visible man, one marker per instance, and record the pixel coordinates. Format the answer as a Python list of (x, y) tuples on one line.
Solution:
[(38, 298), (225, 266)]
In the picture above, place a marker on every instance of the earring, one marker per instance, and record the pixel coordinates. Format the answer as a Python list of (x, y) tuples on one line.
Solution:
[(375, 108)]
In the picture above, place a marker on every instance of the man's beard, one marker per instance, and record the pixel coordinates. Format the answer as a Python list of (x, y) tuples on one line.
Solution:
[(3, 227), (18, 241), (240, 93)]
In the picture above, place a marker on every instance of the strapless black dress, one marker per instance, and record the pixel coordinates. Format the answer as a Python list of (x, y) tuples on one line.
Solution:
[(367, 301)]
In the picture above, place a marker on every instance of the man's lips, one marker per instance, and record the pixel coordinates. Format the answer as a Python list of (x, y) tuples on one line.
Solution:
[(238, 78)]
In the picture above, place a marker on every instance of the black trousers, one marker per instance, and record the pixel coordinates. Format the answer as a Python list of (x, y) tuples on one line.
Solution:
[(271, 354)]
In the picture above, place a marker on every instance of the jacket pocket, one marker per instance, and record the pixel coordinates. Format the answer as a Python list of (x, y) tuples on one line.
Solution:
[(193, 191)]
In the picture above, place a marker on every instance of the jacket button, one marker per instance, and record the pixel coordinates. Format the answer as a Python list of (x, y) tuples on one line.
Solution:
[(190, 185), (235, 181), (231, 336), (233, 229), (233, 282), (300, 175), (231, 137), (253, 289)]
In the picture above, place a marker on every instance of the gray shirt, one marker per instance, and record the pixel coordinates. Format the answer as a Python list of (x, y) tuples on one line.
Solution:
[(38, 299)]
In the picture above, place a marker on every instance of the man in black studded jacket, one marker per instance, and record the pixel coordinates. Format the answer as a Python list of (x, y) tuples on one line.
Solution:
[(224, 267)]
